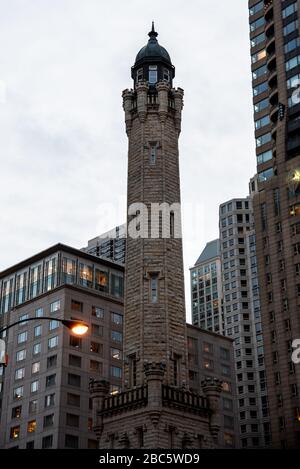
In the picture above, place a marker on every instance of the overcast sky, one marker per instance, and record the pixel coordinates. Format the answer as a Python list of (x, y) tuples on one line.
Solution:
[(63, 147)]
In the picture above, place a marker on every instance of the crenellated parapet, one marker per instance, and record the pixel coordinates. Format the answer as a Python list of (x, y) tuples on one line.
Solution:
[(160, 99)]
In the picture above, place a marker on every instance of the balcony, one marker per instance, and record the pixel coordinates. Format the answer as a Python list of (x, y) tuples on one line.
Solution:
[(270, 46), (272, 80), (274, 113), (186, 400), (131, 399), (274, 132), (269, 29), (269, 12), (273, 97), (271, 62)]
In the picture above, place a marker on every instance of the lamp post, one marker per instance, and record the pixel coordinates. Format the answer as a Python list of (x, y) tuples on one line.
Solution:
[(78, 328)]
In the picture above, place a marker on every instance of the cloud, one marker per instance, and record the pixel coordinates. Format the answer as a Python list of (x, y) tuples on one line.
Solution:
[(63, 147)]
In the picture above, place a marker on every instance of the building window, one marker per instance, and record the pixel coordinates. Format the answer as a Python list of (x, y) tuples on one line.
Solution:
[(154, 288), (49, 400), (31, 426), (47, 442), (116, 354), (55, 306), (152, 74), (97, 330), (74, 360), (53, 342), (75, 342), (140, 75), (34, 387), (86, 275), (52, 361), (19, 373), (16, 412), (77, 306), (32, 408), (37, 348), (116, 318), (166, 74), (20, 355), (153, 151), (96, 347), (15, 432), (258, 39), (96, 367), (53, 325), (73, 400), (18, 393), (48, 421), (289, 10), (74, 380), (39, 312), (22, 337), (50, 380), (37, 331), (71, 441), (208, 365), (35, 368), (117, 286), (116, 372), (116, 336), (98, 312), (72, 420)]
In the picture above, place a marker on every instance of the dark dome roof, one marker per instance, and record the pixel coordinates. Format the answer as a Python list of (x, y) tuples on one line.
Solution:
[(153, 50)]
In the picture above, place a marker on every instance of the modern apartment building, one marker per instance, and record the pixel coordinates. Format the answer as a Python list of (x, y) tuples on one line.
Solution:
[(275, 55), (210, 355), (243, 320), (206, 289), (110, 245), (45, 400)]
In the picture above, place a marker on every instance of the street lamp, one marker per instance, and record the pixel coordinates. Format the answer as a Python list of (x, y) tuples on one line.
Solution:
[(78, 328)]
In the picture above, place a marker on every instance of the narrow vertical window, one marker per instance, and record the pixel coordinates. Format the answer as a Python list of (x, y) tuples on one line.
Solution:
[(154, 288), (153, 154), (176, 369), (132, 370), (166, 75), (152, 74), (263, 212), (276, 196), (172, 225), (139, 75)]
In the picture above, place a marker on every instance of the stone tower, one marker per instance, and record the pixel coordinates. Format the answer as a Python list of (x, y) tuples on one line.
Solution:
[(156, 409), (155, 327)]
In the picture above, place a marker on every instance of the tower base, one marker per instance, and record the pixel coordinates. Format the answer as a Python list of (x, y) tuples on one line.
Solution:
[(156, 416)]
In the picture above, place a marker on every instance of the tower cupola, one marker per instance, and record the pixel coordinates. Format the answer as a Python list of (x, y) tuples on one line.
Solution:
[(153, 63)]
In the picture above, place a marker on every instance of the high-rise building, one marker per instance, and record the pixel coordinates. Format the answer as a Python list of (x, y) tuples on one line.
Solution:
[(156, 409), (206, 289), (275, 55), (109, 245), (211, 355), (44, 391), (243, 320)]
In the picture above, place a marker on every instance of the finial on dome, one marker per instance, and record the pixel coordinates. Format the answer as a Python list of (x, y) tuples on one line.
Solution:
[(153, 33)]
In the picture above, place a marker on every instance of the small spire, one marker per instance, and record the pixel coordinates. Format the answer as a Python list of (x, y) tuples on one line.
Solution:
[(153, 33)]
